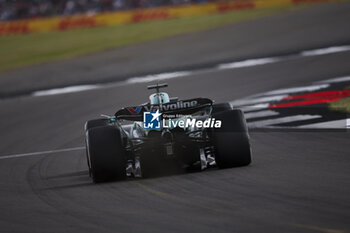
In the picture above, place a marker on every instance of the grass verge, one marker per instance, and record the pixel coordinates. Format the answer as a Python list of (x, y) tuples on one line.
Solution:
[(342, 105), (24, 50)]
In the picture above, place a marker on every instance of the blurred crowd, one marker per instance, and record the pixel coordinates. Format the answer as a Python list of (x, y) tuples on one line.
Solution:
[(26, 9)]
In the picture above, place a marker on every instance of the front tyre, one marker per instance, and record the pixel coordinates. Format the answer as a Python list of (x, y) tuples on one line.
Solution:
[(231, 141), (106, 154)]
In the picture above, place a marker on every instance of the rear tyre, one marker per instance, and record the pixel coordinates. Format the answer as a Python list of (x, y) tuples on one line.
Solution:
[(89, 125), (231, 141), (221, 107), (106, 154), (95, 123)]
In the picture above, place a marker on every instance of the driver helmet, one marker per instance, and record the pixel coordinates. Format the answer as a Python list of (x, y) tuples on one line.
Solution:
[(164, 97)]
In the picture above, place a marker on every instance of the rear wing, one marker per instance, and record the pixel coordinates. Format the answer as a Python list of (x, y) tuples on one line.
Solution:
[(184, 107)]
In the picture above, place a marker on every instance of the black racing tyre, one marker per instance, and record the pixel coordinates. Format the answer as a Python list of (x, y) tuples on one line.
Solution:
[(106, 154), (87, 155), (221, 107), (231, 141), (89, 125), (95, 123)]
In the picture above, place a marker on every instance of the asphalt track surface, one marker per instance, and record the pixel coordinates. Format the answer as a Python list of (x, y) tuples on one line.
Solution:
[(298, 181)]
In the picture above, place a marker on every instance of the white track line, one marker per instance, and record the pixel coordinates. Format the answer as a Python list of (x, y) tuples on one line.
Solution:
[(288, 119), (323, 51), (156, 77), (337, 124), (297, 89), (65, 90), (336, 80), (251, 101), (179, 74), (258, 114), (248, 63), (41, 153), (251, 108)]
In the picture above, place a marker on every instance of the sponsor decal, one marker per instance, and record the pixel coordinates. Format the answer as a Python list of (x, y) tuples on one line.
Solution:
[(232, 6), (14, 28), (174, 106), (70, 23), (164, 107), (134, 110), (150, 15)]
